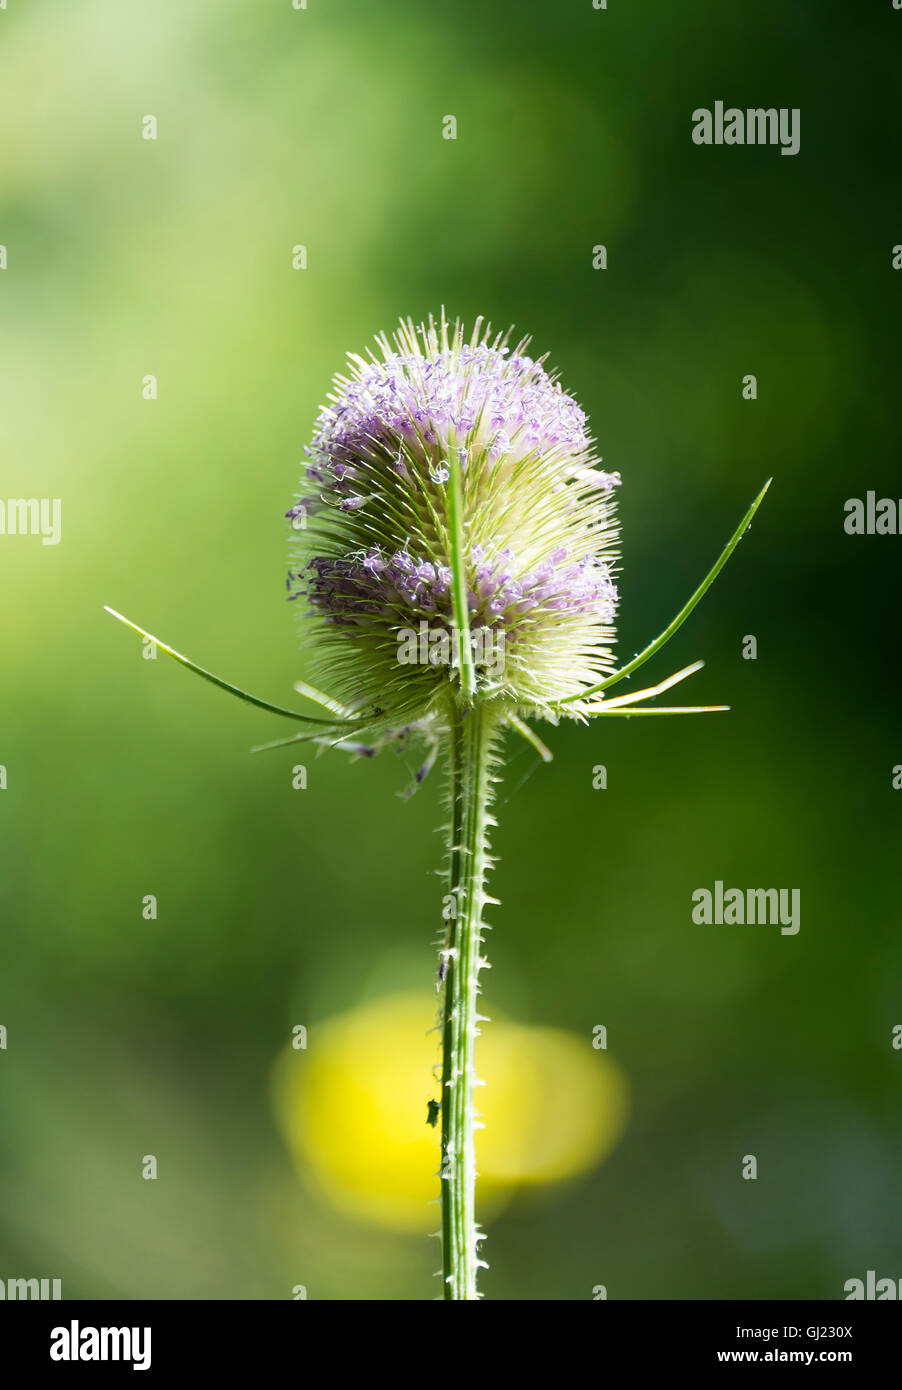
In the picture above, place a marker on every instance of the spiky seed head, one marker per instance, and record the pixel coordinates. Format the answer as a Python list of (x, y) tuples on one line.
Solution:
[(376, 543)]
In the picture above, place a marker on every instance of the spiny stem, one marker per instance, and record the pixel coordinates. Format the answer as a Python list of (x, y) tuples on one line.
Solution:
[(471, 764)]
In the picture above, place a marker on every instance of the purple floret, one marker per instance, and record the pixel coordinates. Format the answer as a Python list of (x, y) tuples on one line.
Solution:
[(403, 589)]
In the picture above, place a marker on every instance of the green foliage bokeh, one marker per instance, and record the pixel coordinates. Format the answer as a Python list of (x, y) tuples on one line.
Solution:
[(126, 777)]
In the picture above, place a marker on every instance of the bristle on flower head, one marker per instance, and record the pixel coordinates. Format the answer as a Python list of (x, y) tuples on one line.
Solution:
[(378, 537)]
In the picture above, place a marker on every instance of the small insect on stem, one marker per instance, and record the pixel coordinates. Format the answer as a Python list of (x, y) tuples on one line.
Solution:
[(433, 1110), (445, 955)]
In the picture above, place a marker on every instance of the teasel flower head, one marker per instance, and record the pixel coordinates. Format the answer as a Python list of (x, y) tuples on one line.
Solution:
[(454, 544), (455, 529)]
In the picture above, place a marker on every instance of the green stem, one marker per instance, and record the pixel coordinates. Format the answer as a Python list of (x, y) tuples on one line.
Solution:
[(472, 762), (459, 589)]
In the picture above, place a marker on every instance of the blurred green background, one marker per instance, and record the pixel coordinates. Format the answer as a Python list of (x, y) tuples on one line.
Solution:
[(278, 907)]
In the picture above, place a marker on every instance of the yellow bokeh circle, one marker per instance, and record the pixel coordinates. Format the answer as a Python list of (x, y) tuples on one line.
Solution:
[(353, 1105)]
